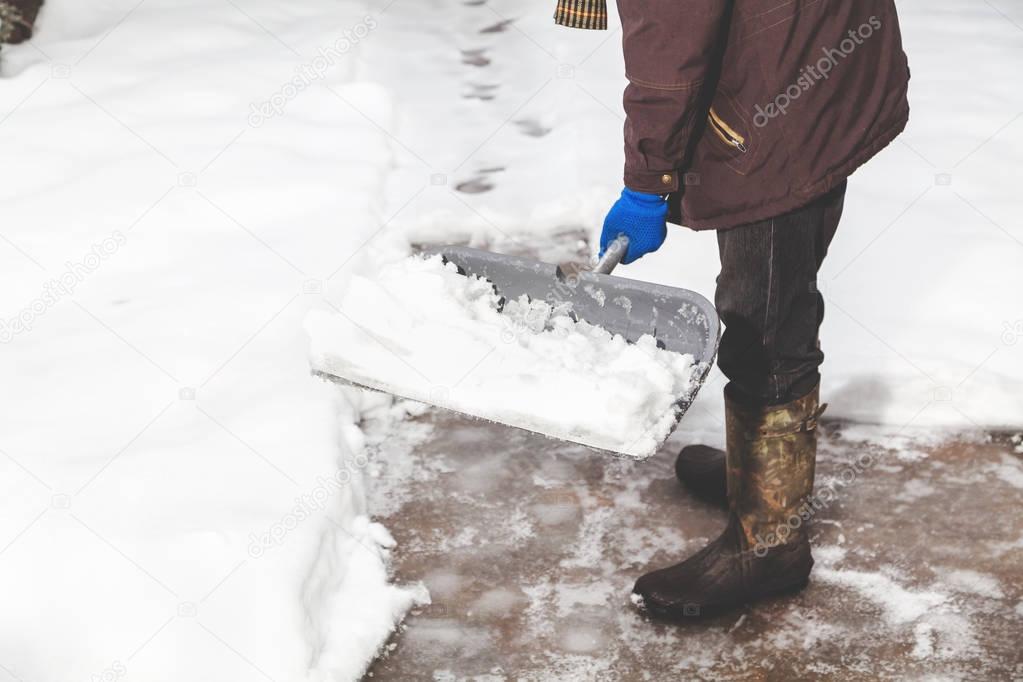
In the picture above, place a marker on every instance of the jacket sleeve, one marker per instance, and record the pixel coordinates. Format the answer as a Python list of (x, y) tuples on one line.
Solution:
[(671, 47)]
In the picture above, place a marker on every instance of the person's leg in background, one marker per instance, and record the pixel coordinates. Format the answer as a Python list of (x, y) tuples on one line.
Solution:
[(767, 298)]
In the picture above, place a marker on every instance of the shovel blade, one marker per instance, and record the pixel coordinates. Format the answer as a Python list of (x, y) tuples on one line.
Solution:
[(680, 320)]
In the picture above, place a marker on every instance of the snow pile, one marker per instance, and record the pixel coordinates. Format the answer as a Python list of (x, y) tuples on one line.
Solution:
[(179, 500), (421, 330)]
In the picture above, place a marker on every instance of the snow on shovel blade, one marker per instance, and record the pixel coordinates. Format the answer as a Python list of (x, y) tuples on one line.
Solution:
[(682, 321), (683, 324)]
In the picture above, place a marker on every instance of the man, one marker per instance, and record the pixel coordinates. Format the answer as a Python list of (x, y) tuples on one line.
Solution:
[(746, 117)]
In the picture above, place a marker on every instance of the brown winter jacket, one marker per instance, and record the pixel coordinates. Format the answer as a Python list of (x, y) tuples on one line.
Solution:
[(744, 110)]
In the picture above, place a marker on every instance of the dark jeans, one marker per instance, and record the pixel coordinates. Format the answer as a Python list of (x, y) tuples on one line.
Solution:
[(768, 300)]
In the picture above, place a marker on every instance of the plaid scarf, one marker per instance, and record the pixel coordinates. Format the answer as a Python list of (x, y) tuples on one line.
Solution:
[(16, 19), (582, 14)]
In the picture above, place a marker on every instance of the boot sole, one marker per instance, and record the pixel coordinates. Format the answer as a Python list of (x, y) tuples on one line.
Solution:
[(694, 612)]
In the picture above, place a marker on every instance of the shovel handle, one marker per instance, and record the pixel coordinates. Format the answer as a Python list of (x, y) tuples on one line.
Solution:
[(613, 255)]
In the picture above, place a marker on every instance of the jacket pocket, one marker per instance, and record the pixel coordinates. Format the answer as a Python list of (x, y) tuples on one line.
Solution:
[(734, 143), (726, 132)]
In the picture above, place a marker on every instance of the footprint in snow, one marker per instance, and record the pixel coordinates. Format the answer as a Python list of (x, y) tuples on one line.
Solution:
[(475, 57), (499, 27), (479, 184), (480, 91), (474, 186), (532, 127)]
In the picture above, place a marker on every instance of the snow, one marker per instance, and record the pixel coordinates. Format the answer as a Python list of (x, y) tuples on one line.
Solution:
[(915, 490), (922, 316), (923, 648), (974, 582), (419, 329), (898, 604), (1009, 470), (162, 242), (178, 498), (942, 628)]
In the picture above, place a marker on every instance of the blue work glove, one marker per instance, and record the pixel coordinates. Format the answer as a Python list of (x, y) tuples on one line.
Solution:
[(640, 217)]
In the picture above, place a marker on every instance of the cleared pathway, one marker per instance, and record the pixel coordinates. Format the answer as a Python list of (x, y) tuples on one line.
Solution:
[(529, 549)]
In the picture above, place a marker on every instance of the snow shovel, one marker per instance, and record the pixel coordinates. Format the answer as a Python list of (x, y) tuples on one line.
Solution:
[(679, 320)]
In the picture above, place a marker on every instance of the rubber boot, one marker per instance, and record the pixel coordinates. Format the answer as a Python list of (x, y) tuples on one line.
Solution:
[(764, 550), (702, 470)]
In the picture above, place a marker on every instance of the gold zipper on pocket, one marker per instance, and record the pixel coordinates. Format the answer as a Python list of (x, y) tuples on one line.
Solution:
[(726, 132)]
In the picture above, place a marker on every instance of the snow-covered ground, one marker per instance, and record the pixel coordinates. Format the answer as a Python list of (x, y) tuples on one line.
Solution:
[(180, 500), (924, 327), (184, 180)]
